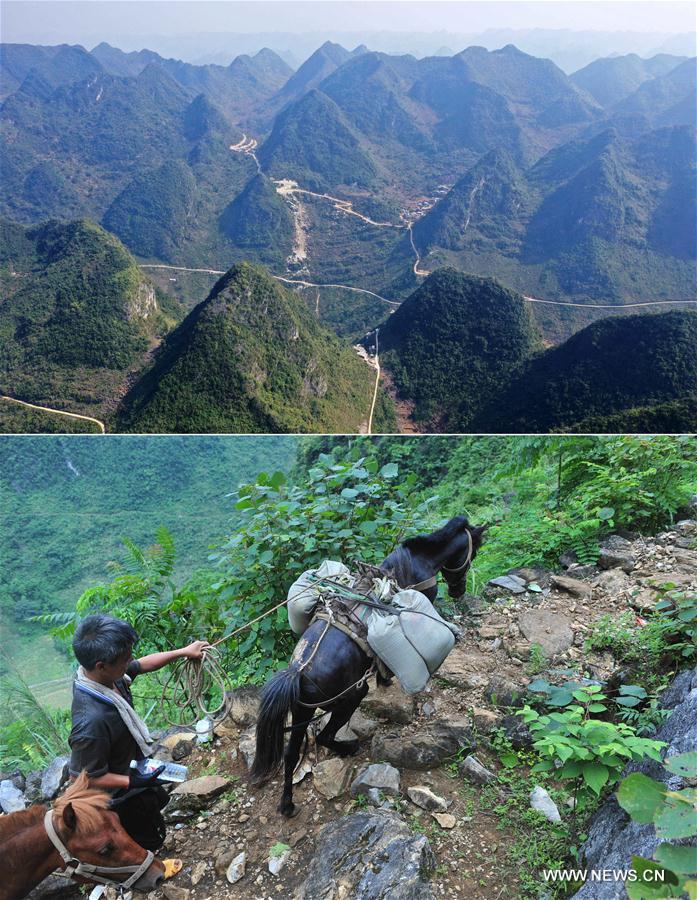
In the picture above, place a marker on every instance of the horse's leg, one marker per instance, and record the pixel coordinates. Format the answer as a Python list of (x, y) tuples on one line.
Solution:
[(339, 717), (300, 721)]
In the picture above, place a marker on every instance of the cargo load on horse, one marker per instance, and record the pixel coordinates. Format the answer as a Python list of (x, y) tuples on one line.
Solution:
[(401, 627)]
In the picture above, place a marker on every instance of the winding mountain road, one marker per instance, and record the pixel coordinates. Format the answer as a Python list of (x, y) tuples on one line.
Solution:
[(59, 412)]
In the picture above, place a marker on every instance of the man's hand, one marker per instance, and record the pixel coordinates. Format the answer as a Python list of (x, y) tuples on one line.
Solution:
[(138, 780), (195, 650)]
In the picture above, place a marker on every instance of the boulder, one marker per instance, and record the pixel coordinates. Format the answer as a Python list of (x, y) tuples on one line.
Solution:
[(485, 720), (474, 771), (424, 748), (503, 693), (32, 788), (330, 777), (543, 804), (380, 776), (613, 838), (198, 793), (179, 744), (551, 631), (276, 862), (11, 798), (424, 797), (532, 575), (572, 586), (612, 559), (517, 732), (55, 888), (391, 703), (16, 777), (461, 668), (614, 582), (361, 725), (237, 868), (248, 745), (54, 777), (445, 820), (345, 864), (510, 583), (243, 704)]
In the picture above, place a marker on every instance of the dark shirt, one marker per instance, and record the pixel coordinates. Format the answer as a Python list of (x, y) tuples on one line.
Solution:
[(99, 739)]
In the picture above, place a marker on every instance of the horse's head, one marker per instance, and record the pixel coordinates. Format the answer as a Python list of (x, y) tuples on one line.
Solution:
[(466, 541), (449, 550), (94, 835)]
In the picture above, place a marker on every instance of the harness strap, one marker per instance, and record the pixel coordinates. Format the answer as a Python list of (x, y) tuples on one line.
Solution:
[(423, 585), (468, 558), (74, 867)]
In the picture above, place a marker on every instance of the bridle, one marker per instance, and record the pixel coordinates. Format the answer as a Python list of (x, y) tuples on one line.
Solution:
[(461, 570), (74, 867)]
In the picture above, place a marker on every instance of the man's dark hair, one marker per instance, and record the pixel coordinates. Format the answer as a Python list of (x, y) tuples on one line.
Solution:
[(102, 638)]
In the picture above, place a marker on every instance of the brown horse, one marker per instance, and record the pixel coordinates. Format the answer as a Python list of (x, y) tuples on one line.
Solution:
[(90, 835)]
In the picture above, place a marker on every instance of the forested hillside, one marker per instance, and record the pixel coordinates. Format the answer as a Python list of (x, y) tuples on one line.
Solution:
[(251, 358), (77, 315)]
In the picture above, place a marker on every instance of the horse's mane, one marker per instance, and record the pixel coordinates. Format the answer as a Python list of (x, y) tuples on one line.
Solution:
[(87, 802), (399, 565)]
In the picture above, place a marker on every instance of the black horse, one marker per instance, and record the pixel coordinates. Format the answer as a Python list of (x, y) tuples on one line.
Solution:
[(333, 674)]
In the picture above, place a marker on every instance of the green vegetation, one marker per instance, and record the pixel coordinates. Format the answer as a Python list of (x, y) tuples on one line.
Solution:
[(674, 817), (77, 314), (592, 750), (612, 365), (258, 221), (312, 143), (151, 214), (251, 358), (455, 342)]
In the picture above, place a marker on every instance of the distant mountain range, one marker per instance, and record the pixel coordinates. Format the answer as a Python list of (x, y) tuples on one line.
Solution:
[(355, 175)]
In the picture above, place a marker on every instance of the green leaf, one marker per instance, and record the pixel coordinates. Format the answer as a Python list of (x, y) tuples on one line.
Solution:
[(278, 850), (641, 797), (391, 470), (349, 493), (595, 775), (684, 764), (682, 860), (678, 817), (607, 512), (509, 760), (653, 881), (627, 701)]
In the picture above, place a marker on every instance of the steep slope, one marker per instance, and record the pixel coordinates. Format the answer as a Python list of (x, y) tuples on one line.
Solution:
[(117, 62), (150, 215), (612, 366), (250, 358), (312, 142), (611, 79), (453, 342), (605, 219), (40, 70), (665, 100), (325, 60), (77, 314), (259, 220), (479, 209)]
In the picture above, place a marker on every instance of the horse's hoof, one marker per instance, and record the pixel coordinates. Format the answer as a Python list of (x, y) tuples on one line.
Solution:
[(289, 811), (346, 748)]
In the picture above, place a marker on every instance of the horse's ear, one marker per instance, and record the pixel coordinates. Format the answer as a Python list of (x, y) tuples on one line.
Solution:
[(478, 532), (69, 817)]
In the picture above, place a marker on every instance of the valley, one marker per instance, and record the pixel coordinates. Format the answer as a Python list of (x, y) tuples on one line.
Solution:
[(352, 181)]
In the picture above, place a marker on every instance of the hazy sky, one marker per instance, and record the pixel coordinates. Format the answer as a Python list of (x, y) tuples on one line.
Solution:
[(93, 20)]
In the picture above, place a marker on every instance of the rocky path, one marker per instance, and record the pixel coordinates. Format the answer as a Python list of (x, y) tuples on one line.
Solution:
[(418, 804)]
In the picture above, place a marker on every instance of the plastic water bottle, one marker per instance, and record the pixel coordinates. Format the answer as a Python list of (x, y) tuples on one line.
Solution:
[(204, 730)]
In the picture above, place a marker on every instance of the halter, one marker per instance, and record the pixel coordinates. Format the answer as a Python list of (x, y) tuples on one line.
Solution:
[(433, 580), (74, 867)]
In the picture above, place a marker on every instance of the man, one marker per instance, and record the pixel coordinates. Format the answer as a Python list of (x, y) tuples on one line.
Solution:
[(107, 733)]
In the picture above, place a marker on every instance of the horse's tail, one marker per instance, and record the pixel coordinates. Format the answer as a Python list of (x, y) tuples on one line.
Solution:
[(278, 697)]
